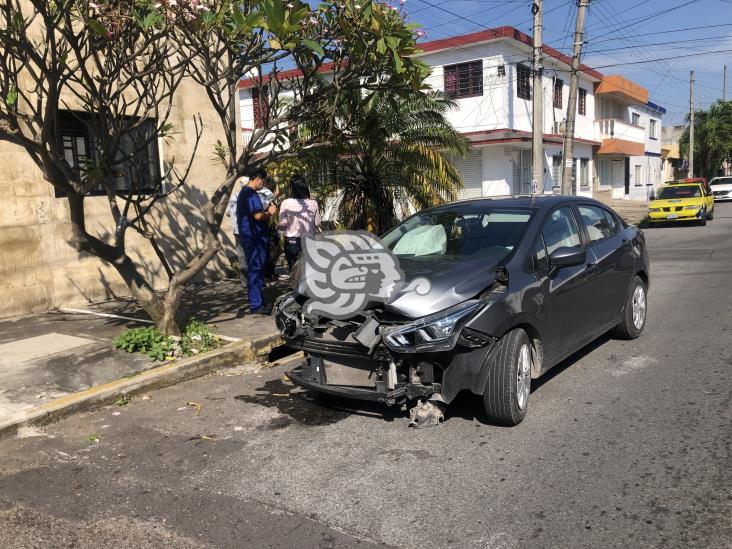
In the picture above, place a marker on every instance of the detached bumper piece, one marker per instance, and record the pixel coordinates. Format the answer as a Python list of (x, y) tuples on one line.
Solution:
[(364, 379)]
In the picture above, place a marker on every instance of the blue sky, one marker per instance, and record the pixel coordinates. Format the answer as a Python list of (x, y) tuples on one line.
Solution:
[(618, 31)]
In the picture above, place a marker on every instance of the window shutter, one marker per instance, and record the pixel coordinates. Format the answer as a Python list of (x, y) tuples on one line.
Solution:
[(451, 80), (471, 171)]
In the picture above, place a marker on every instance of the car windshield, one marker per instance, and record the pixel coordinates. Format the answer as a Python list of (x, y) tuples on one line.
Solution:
[(680, 191), (722, 181), (467, 231)]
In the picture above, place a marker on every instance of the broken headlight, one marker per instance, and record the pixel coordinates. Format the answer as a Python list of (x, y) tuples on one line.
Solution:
[(437, 332)]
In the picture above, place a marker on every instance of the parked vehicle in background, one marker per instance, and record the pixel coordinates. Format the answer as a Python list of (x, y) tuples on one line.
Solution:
[(682, 202), (516, 286), (693, 180), (721, 188)]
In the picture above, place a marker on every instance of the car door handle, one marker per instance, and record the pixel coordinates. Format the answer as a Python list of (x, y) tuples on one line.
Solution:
[(592, 269)]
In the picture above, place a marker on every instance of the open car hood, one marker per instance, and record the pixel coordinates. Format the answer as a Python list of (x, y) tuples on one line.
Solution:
[(451, 282)]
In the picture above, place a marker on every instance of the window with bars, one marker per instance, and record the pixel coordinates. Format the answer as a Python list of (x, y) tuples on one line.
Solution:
[(557, 169), (464, 79), (260, 107), (652, 129), (582, 102), (523, 82), (501, 70), (136, 166), (558, 93), (584, 172), (638, 176)]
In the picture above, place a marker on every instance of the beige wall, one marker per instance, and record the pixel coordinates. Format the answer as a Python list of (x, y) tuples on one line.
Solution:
[(38, 268)]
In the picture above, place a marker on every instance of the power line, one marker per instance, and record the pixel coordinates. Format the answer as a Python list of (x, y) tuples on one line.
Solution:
[(642, 19), (697, 54)]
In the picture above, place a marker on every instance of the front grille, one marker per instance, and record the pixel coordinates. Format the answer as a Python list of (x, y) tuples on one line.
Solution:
[(721, 193), (330, 347)]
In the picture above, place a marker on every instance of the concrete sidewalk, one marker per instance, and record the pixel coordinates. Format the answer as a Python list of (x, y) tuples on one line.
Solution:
[(48, 358)]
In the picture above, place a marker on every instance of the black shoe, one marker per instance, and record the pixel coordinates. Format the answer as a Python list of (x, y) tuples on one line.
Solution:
[(264, 310)]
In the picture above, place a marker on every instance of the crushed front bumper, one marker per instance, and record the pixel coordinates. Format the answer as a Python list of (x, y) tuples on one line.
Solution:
[(364, 379)]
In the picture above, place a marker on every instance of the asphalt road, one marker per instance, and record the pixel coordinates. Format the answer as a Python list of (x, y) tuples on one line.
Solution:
[(625, 445)]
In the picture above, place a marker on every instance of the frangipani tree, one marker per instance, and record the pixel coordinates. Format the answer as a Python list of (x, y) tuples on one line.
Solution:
[(119, 64)]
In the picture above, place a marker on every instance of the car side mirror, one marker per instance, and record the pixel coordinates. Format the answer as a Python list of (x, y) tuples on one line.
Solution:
[(567, 257)]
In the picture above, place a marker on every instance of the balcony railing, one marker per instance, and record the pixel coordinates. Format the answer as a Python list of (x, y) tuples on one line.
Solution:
[(609, 128)]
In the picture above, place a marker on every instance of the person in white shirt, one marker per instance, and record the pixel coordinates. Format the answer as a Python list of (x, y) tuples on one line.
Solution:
[(231, 212), (299, 216)]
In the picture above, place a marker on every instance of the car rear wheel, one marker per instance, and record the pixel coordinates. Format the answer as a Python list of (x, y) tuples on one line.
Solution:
[(634, 314), (506, 393)]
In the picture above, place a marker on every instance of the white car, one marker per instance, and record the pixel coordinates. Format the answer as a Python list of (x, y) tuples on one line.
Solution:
[(721, 188)]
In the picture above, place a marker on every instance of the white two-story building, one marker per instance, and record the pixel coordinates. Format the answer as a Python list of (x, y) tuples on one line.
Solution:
[(489, 75)]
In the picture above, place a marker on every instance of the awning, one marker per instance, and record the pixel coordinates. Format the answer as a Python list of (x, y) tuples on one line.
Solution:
[(618, 86), (621, 146)]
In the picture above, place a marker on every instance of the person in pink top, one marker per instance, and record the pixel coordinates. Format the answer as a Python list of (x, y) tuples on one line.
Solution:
[(299, 216)]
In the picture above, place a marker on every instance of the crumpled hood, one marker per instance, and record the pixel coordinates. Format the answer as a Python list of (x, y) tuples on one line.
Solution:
[(451, 282)]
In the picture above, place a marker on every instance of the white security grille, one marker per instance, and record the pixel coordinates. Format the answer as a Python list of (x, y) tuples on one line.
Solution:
[(471, 170)]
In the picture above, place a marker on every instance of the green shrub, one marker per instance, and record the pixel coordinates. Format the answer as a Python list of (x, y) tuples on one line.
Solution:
[(146, 340), (197, 338)]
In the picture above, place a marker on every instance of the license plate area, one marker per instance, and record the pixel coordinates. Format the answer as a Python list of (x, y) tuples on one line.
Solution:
[(350, 372), (673, 216)]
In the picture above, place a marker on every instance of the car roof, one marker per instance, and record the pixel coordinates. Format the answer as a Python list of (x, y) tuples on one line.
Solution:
[(537, 201), (690, 181)]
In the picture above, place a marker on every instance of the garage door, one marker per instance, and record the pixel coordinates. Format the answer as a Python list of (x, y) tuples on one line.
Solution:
[(471, 170)]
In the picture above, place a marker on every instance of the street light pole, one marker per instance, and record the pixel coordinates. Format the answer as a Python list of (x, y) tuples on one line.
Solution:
[(568, 150), (537, 141), (691, 124)]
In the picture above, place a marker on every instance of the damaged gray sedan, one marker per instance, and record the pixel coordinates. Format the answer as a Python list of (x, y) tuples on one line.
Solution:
[(515, 286)]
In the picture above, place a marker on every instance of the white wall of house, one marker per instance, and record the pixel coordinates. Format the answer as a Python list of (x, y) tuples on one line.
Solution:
[(500, 107)]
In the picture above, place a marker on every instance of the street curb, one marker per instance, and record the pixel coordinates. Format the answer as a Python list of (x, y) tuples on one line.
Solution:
[(246, 351)]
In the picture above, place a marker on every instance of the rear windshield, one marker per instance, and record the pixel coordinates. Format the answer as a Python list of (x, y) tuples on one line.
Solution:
[(680, 191), (461, 232), (721, 181)]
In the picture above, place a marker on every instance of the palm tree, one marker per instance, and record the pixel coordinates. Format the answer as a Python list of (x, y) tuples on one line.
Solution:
[(712, 139), (396, 159)]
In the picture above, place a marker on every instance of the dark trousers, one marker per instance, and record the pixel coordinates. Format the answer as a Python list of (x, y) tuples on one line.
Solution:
[(256, 253), (293, 248)]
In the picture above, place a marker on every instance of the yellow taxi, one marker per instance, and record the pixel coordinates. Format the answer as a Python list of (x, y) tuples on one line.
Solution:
[(681, 201)]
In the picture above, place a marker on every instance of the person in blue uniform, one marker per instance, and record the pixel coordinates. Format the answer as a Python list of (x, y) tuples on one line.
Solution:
[(254, 226)]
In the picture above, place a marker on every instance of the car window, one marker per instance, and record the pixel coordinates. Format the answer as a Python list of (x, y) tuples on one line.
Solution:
[(539, 258), (680, 191), (460, 232), (721, 181), (611, 220), (596, 222), (560, 230)]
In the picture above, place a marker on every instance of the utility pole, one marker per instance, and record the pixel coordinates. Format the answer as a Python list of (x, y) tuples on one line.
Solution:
[(568, 149), (691, 124), (537, 141), (724, 85)]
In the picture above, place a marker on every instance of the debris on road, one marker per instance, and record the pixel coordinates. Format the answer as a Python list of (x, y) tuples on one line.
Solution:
[(194, 405)]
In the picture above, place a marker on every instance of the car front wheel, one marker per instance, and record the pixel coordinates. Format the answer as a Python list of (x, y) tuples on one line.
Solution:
[(634, 314), (506, 393)]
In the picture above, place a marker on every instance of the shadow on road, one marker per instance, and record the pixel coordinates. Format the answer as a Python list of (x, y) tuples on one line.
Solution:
[(312, 409)]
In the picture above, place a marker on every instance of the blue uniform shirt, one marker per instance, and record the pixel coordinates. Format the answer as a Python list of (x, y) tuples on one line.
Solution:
[(248, 202)]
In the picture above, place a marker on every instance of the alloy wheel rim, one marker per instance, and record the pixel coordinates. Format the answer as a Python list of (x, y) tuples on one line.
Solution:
[(523, 377), (639, 307)]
